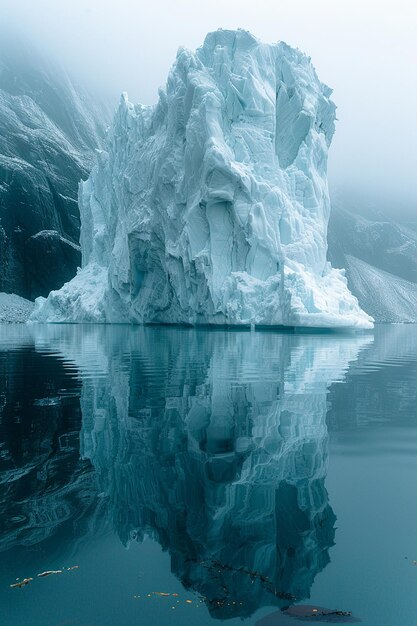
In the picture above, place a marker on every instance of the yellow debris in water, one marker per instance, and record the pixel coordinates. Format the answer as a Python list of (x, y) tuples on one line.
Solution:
[(21, 584), (50, 572)]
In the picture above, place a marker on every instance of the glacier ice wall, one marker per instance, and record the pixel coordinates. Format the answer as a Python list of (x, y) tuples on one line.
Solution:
[(212, 206)]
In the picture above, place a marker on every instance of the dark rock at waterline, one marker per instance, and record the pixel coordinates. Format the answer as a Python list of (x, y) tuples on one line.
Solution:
[(50, 260)]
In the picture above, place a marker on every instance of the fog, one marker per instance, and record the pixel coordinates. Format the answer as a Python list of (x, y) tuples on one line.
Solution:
[(365, 50)]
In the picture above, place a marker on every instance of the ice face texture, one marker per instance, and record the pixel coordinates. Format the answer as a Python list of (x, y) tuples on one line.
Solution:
[(212, 206)]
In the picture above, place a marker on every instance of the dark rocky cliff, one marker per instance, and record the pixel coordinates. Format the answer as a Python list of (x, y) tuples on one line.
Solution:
[(48, 133)]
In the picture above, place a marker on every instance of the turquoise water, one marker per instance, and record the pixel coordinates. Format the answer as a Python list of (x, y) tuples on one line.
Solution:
[(191, 476)]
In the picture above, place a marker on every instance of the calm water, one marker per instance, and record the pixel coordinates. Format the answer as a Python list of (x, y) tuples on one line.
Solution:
[(245, 472)]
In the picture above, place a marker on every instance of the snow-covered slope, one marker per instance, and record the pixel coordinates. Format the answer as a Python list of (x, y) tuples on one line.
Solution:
[(373, 237), (212, 206), (380, 257), (13, 308), (385, 296), (48, 134)]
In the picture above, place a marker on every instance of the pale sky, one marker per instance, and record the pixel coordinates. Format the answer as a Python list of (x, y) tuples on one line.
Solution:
[(365, 50)]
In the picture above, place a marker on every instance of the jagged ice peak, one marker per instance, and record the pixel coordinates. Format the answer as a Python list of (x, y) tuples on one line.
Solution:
[(212, 206)]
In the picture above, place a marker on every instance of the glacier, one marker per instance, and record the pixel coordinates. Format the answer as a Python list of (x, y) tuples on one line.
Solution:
[(211, 207)]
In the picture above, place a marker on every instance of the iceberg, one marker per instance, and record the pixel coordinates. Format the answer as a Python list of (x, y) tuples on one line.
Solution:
[(212, 206)]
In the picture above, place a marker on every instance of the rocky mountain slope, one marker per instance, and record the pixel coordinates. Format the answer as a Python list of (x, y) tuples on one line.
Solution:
[(49, 131)]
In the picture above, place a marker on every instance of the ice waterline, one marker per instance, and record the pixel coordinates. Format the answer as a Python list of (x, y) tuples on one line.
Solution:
[(212, 206)]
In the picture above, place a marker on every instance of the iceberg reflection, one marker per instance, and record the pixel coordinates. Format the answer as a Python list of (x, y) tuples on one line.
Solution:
[(214, 444)]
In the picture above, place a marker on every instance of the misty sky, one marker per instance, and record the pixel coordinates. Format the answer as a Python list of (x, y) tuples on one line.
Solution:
[(365, 50)]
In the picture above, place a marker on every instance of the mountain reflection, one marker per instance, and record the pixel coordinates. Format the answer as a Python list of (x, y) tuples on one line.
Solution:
[(44, 485), (213, 443)]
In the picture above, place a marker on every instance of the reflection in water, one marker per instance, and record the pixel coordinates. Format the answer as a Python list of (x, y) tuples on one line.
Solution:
[(381, 384), (43, 483), (215, 444)]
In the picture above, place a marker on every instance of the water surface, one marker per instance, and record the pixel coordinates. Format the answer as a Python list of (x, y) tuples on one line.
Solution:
[(238, 473)]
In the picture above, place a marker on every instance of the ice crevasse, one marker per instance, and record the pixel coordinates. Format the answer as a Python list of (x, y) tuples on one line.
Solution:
[(211, 207)]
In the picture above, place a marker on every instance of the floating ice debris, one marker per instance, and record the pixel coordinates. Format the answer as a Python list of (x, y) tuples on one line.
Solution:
[(50, 572), (21, 583)]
